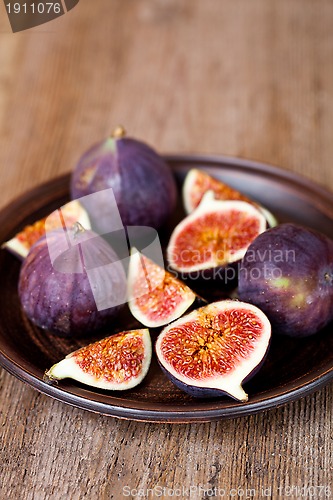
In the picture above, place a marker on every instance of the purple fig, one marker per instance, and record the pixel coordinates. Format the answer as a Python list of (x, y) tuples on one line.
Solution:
[(288, 273), (141, 180), (71, 290)]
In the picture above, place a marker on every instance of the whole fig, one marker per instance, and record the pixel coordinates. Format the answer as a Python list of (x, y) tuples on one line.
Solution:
[(141, 180), (71, 291), (288, 273)]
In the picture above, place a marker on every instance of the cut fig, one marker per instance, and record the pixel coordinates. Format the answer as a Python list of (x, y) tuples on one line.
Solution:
[(288, 273), (116, 363), (66, 216), (155, 296), (198, 182), (212, 350), (216, 234), (142, 183)]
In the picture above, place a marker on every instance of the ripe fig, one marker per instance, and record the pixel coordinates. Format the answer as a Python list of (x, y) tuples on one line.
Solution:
[(70, 213), (216, 234), (142, 182), (212, 350), (116, 363), (71, 289), (198, 182), (155, 296), (288, 272)]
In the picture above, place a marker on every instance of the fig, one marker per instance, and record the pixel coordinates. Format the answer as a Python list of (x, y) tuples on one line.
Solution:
[(216, 234), (115, 363), (155, 296), (70, 213), (71, 282), (212, 350), (198, 182), (288, 272), (142, 182)]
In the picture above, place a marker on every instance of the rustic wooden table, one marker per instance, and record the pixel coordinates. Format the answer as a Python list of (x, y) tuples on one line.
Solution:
[(245, 78)]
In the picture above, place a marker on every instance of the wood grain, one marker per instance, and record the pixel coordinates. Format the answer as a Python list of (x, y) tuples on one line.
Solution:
[(251, 79)]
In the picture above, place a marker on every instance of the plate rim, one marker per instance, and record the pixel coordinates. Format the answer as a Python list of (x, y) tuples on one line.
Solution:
[(182, 415), (166, 416), (218, 160)]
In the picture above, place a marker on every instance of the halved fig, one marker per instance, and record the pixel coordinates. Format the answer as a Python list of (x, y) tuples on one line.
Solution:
[(155, 296), (212, 350), (198, 182), (67, 215), (116, 363), (216, 234)]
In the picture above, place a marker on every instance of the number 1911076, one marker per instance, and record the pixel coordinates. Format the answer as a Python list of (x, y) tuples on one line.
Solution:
[(33, 8)]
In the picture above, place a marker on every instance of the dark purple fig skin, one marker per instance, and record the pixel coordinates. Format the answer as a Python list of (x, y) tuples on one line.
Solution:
[(63, 302), (206, 392), (194, 391), (142, 182), (293, 282)]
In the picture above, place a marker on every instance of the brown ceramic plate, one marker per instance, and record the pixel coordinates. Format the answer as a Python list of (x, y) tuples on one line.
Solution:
[(293, 369)]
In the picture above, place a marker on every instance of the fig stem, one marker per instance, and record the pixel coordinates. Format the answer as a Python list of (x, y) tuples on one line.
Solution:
[(329, 277), (77, 229), (48, 378), (119, 132)]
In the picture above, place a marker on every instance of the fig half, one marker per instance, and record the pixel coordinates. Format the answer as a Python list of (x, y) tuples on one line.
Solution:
[(198, 182), (212, 350), (116, 363), (216, 234), (67, 215), (155, 296), (288, 273)]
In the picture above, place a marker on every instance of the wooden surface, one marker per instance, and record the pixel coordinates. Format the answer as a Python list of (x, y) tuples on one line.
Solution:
[(245, 78)]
